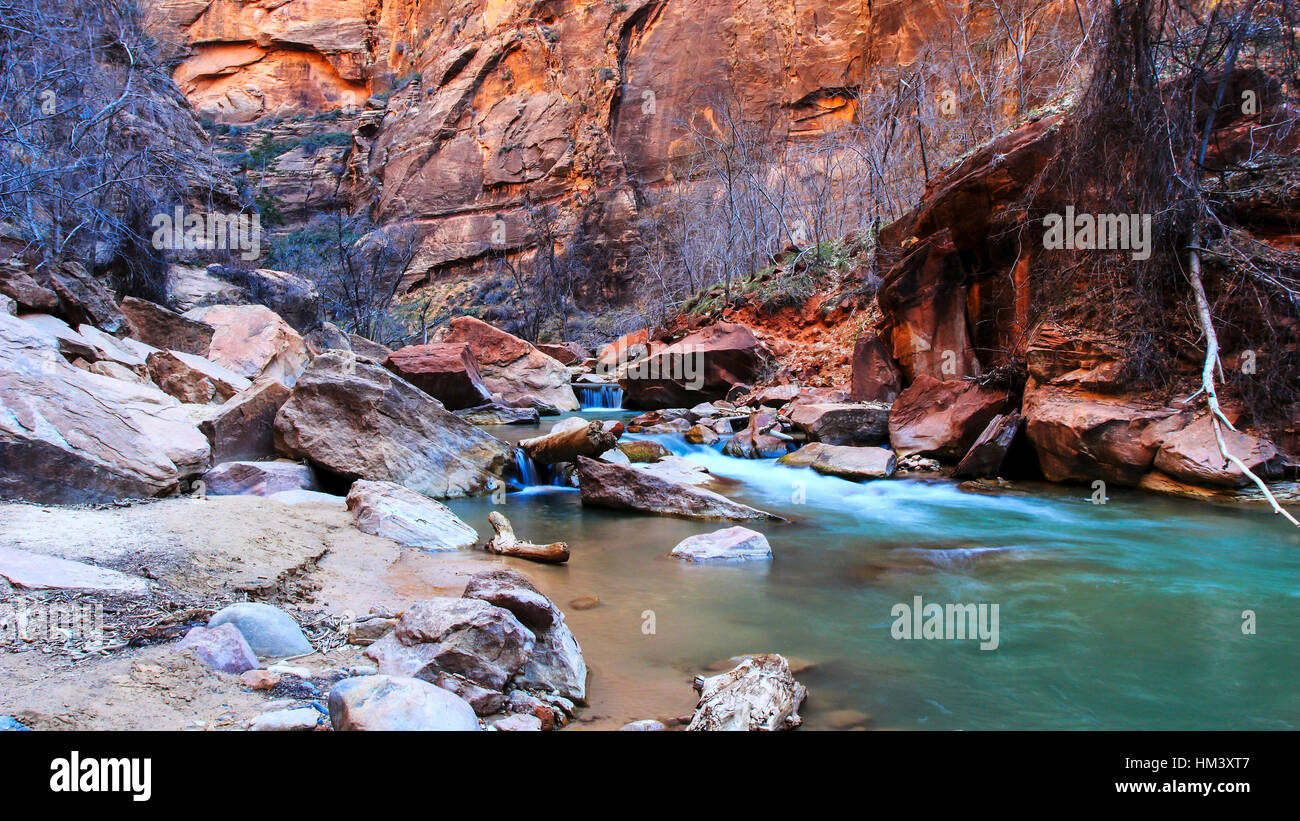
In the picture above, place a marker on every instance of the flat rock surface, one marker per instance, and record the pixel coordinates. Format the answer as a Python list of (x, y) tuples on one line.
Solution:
[(37, 572)]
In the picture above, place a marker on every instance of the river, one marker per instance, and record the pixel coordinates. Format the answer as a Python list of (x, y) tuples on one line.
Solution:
[(1118, 616)]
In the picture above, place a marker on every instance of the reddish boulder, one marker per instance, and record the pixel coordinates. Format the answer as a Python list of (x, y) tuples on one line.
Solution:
[(513, 370), (567, 354), (836, 423), (165, 329), (1192, 455), (445, 371), (986, 456), (875, 378), (703, 367), (243, 427), (942, 420), (1082, 436)]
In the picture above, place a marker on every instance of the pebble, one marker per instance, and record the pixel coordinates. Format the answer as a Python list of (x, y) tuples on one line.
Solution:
[(644, 726), (260, 679), (585, 603), (297, 719)]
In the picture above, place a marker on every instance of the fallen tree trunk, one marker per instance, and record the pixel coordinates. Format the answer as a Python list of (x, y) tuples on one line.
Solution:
[(506, 543), (567, 445)]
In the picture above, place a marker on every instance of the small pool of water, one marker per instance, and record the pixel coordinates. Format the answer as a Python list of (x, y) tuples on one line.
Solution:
[(1126, 615)]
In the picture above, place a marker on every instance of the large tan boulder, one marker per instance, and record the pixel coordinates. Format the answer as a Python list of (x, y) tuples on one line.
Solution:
[(941, 420), (353, 418), (446, 371), (253, 341), (71, 436), (513, 370), (193, 379)]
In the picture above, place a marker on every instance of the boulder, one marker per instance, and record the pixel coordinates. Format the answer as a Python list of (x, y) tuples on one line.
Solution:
[(985, 457), (257, 478), (193, 379), (368, 349), (356, 419), (494, 414), (165, 329), (1082, 436), (1192, 455), (555, 664), (519, 722), (843, 424), (643, 450), (243, 427), (732, 543), (676, 469), (253, 341), (760, 694), (293, 297), (855, 464), (29, 295), (512, 369), (756, 441), (567, 354), (68, 436), (271, 632), (470, 638), (942, 420), (875, 378), (703, 367), (445, 371), (627, 348), (83, 300), (622, 487), (222, 648), (385, 703), (700, 435), (398, 513), (328, 337)]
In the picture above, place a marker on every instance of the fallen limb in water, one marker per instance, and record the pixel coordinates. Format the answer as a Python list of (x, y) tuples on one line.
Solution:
[(506, 543), (567, 445)]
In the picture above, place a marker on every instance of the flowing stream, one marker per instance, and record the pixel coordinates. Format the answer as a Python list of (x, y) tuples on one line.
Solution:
[(1126, 615)]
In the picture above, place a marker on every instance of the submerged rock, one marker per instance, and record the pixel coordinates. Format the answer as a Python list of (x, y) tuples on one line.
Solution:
[(270, 631), (398, 513), (760, 694), (384, 703), (732, 543)]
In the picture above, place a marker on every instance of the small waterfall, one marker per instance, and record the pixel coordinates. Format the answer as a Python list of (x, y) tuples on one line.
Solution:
[(599, 397), (525, 469)]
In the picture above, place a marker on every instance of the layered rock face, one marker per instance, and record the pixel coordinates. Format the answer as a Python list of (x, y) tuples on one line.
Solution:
[(470, 107)]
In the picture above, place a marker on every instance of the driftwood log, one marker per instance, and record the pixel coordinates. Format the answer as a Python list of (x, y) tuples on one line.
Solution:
[(567, 445), (506, 543)]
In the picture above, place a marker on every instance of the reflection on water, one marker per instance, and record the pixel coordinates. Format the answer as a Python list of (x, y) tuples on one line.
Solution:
[(1119, 616)]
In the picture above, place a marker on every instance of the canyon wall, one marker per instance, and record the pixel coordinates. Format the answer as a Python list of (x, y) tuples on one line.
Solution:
[(470, 109)]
